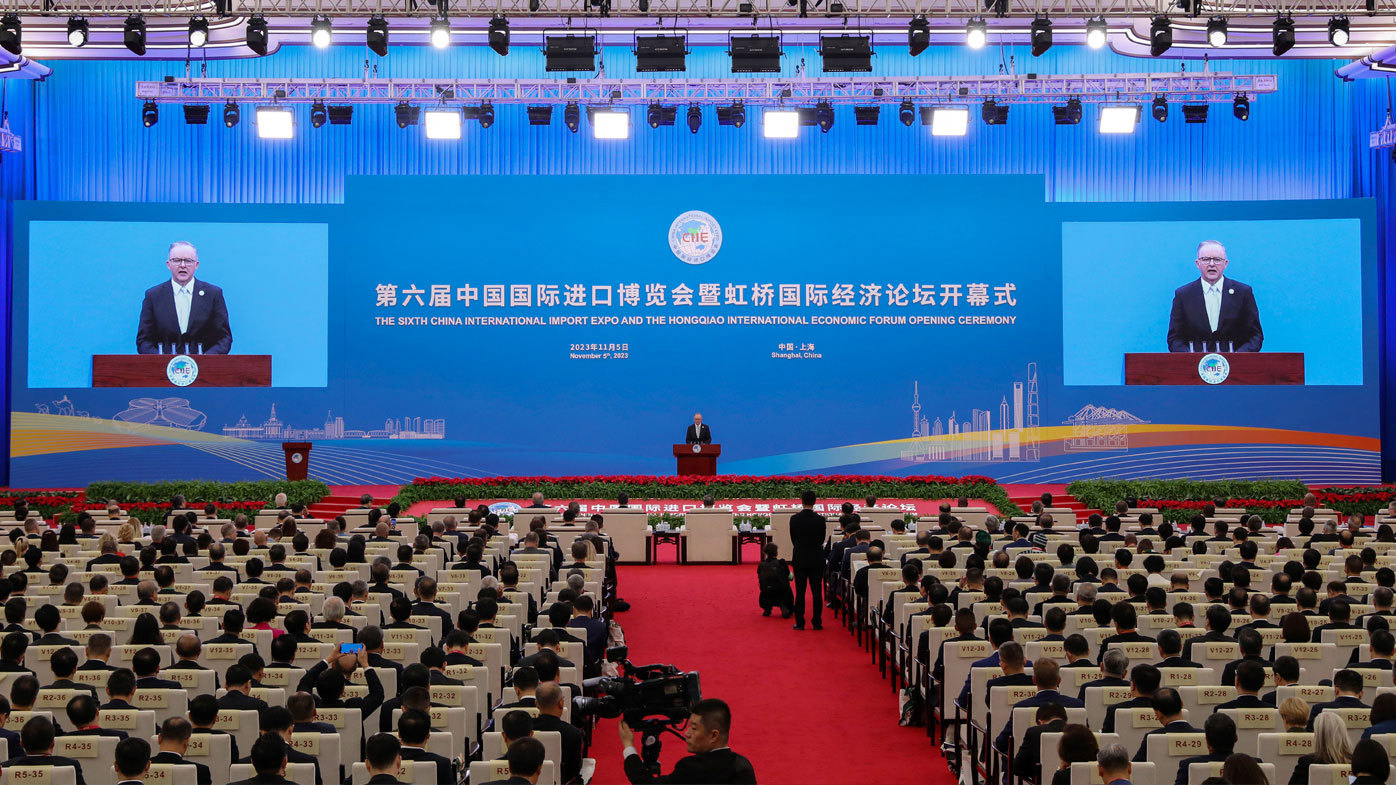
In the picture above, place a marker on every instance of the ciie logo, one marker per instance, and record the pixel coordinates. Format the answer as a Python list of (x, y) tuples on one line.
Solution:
[(1213, 369), (695, 237), (182, 370)]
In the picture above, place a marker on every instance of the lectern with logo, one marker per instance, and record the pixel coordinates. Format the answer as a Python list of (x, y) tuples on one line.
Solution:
[(297, 459), (697, 459), (181, 370), (1198, 368)]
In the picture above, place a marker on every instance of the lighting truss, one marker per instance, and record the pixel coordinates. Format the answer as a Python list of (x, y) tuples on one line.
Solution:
[(1386, 137), (1215, 87)]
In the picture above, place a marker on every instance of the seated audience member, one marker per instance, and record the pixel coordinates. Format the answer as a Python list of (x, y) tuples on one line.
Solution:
[(1077, 744), (268, 759), (1331, 745), (36, 737)]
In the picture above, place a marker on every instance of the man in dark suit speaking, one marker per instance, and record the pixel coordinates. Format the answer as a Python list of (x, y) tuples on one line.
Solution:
[(1214, 313), (698, 433), (182, 314)]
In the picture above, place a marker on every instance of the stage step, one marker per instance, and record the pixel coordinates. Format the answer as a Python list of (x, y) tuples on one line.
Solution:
[(330, 506), (1058, 500)]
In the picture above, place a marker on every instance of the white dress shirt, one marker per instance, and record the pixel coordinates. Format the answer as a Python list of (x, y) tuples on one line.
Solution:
[(184, 296), (1212, 296)]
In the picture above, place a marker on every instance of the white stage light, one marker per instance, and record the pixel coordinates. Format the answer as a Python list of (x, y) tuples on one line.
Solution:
[(1097, 33), (442, 123), (320, 31), (610, 124), (780, 123), (949, 121), (1118, 119), (440, 33), (976, 34), (275, 122)]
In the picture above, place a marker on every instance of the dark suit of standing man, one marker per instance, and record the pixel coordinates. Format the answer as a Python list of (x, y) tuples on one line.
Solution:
[(183, 313), (698, 433), (1214, 313), (807, 529)]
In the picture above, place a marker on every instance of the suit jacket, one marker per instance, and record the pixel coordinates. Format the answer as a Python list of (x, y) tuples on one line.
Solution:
[(1027, 758), (700, 435), (236, 701), (571, 763), (1173, 727), (807, 529), (705, 768), (110, 732), (264, 779), (1108, 726), (1181, 777), (208, 320), (443, 766), (204, 776), (1238, 321), (1341, 702), (1245, 702)]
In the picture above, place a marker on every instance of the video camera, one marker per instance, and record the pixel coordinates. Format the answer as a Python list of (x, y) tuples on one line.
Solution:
[(645, 695)]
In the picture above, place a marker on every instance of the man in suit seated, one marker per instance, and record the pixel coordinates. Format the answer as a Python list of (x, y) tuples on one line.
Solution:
[(37, 739), (1250, 678), (276, 723), (549, 698), (711, 761), (174, 742), (132, 761), (525, 758), (383, 758), (1214, 313), (1218, 621), (525, 685), (1046, 676), (1380, 647), (1113, 762), (1143, 683), (414, 728), (698, 433), (183, 314), (1050, 718), (302, 708), (1348, 686), (1126, 619), (203, 714), (238, 680), (1286, 673), (146, 664), (82, 716), (1220, 730), (1168, 707), (268, 759)]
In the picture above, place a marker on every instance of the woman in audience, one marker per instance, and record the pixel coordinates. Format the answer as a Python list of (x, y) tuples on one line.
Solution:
[(1242, 769), (67, 534), (126, 536), (1294, 628), (1370, 764), (49, 541), (1331, 745), (1077, 745), (194, 604), (260, 614), (1295, 713), (324, 539), (355, 549), (1383, 715), (146, 631)]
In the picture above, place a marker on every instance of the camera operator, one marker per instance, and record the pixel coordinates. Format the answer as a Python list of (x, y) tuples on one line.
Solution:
[(712, 760)]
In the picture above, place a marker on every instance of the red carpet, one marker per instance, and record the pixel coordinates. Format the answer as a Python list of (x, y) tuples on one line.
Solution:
[(808, 708)]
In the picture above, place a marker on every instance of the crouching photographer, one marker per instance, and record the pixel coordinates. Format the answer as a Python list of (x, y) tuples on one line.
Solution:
[(711, 761)]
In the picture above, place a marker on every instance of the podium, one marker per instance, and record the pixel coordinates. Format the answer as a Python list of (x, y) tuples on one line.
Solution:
[(154, 370), (1242, 368), (297, 459), (702, 462)]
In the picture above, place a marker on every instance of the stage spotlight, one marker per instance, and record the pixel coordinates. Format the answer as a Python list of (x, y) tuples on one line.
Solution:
[(321, 33), (949, 121), (1241, 108), (499, 35), (609, 123), (231, 114), (1119, 119), (318, 115), (695, 118), (198, 32), (1097, 33), (569, 52), (77, 31), (734, 115), (1070, 114), (340, 115), (918, 35), (824, 116), (755, 54), (134, 35), (1041, 35), (907, 113), (376, 35), (846, 53), (406, 114), (658, 114), (655, 53), (1282, 35), (275, 122), (1160, 109), (150, 113), (1337, 31), (572, 117), (258, 36), (780, 123), (1195, 113), (440, 33), (486, 115), (443, 123), (196, 114), (1160, 36), (976, 33), (10, 34), (866, 115), (540, 115), (993, 113), (1216, 31)]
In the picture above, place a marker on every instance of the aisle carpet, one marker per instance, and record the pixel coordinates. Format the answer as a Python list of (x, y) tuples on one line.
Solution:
[(809, 708)]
